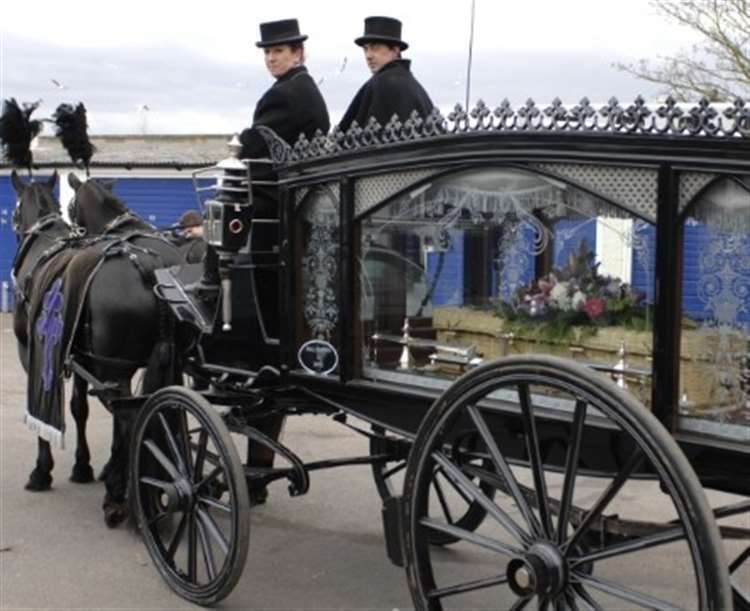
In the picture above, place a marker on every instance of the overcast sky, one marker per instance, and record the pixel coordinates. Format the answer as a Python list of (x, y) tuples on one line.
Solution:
[(195, 66)]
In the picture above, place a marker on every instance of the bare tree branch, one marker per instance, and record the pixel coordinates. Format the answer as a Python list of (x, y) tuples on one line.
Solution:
[(717, 67)]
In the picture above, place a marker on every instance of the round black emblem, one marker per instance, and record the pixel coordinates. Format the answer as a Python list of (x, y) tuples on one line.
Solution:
[(318, 357)]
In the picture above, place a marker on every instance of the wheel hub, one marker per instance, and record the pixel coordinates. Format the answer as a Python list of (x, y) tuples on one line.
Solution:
[(178, 496), (542, 570)]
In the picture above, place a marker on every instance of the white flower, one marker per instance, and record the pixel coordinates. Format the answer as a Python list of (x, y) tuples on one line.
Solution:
[(560, 297), (579, 299)]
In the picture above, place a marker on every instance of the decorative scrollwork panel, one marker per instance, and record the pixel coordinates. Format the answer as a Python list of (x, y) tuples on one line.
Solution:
[(320, 262)]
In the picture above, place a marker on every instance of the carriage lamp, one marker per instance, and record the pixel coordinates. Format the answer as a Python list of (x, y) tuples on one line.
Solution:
[(228, 218)]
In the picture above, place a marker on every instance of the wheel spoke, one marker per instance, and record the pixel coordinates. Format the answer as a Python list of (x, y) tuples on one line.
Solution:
[(636, 545), (521, 603), (609, 493), (571, 470), (623, 593), (441, 498), (471, 537), (208, 552), (213, 529), (192, 549), (186, 448), (532, 448), (458, 490), (214, 503), (169, 467), (200, 457), (177, 538), (504, 470), (210, 477), (469, 586), (172, 443), (582, 599), (460, 480), (156, 483), (156, 519), (393, 470)]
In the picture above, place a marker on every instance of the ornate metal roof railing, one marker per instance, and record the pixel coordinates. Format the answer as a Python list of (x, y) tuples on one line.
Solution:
[(671, 118)]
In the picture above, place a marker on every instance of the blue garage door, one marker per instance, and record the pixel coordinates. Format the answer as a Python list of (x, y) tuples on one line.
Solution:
[(7, 237), (160, 201)]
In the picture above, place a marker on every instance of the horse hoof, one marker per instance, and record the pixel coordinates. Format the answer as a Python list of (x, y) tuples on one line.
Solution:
[(38, 481), (82, 474), (115, 514)]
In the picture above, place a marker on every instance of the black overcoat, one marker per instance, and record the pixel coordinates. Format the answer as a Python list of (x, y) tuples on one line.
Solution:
[(391, 90), (292, 106)]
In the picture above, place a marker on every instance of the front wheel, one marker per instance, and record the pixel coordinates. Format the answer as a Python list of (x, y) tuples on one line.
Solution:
[(185, 470), (569, 456)]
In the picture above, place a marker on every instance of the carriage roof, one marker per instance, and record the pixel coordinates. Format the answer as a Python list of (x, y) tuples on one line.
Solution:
[(706, 135)]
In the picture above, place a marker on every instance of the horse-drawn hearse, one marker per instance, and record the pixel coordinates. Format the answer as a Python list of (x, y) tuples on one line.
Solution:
[(530, 313)]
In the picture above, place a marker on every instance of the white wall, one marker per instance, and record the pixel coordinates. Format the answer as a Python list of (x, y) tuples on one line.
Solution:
[(613, 249)]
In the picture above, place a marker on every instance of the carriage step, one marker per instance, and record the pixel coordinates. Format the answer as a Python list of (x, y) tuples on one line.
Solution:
[(392, 526)]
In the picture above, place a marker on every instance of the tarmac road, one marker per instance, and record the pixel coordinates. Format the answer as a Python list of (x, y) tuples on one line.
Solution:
[(324, 550)]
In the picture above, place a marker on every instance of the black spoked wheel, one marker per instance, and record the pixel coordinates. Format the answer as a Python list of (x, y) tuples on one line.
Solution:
[(184, 469), (575, 462), (447, 498)]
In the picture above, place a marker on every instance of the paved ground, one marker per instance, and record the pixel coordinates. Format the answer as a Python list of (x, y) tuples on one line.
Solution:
[(321, 551)]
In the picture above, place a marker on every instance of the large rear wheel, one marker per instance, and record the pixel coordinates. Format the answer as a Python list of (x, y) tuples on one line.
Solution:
[(185, 470), (570, 457)]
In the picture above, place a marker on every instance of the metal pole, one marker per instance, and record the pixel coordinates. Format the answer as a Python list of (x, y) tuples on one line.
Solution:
[(471, 50)]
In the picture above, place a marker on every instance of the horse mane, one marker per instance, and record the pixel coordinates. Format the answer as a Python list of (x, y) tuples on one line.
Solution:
[(17, 131), (72, 129)]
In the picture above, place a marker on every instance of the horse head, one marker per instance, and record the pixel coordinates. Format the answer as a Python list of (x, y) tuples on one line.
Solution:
[(36, 200), (94, 206)]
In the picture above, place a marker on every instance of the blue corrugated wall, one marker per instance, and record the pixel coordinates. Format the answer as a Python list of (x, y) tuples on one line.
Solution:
[(160, 201), (696, 241)]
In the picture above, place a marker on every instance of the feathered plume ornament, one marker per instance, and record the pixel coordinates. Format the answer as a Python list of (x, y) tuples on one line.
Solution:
[(17, 130), (72, 129)]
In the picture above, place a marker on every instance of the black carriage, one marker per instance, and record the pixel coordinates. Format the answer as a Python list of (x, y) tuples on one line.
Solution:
[(525, 311)]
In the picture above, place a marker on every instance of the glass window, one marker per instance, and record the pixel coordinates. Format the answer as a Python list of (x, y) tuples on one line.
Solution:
[(487, 262), (714, 356)]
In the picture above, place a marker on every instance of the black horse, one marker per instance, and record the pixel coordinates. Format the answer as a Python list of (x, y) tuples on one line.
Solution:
[(40, 229), (122, 326)]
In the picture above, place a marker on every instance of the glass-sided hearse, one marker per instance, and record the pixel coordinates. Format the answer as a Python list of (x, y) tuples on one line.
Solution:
[(540, 317)]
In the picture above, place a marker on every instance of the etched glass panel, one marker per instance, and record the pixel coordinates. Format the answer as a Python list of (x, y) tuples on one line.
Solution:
[(494, 261), (715, 351), (319, 266)]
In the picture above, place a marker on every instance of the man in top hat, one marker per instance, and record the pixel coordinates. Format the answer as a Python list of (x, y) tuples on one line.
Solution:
[(392, 89), (293, 105)]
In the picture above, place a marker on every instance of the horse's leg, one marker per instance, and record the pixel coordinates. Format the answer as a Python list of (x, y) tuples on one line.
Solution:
[(41, 477), (115, 501), (104, 473), (79, 405)]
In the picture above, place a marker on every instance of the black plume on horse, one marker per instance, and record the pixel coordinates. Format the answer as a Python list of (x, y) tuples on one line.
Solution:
[(17, 130), (72, 129)]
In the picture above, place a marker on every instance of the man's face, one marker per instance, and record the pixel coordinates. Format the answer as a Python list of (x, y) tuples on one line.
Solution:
[(280, 59), (194, 232), (378, 54)]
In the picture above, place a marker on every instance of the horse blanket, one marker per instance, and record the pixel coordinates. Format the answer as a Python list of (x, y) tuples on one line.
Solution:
[(55, 306)]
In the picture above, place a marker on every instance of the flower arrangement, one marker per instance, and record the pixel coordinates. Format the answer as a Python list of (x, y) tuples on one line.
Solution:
[(574, 296)]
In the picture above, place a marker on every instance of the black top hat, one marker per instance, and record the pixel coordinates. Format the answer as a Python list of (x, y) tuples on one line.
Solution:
[(382, 29), (281, 32)]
